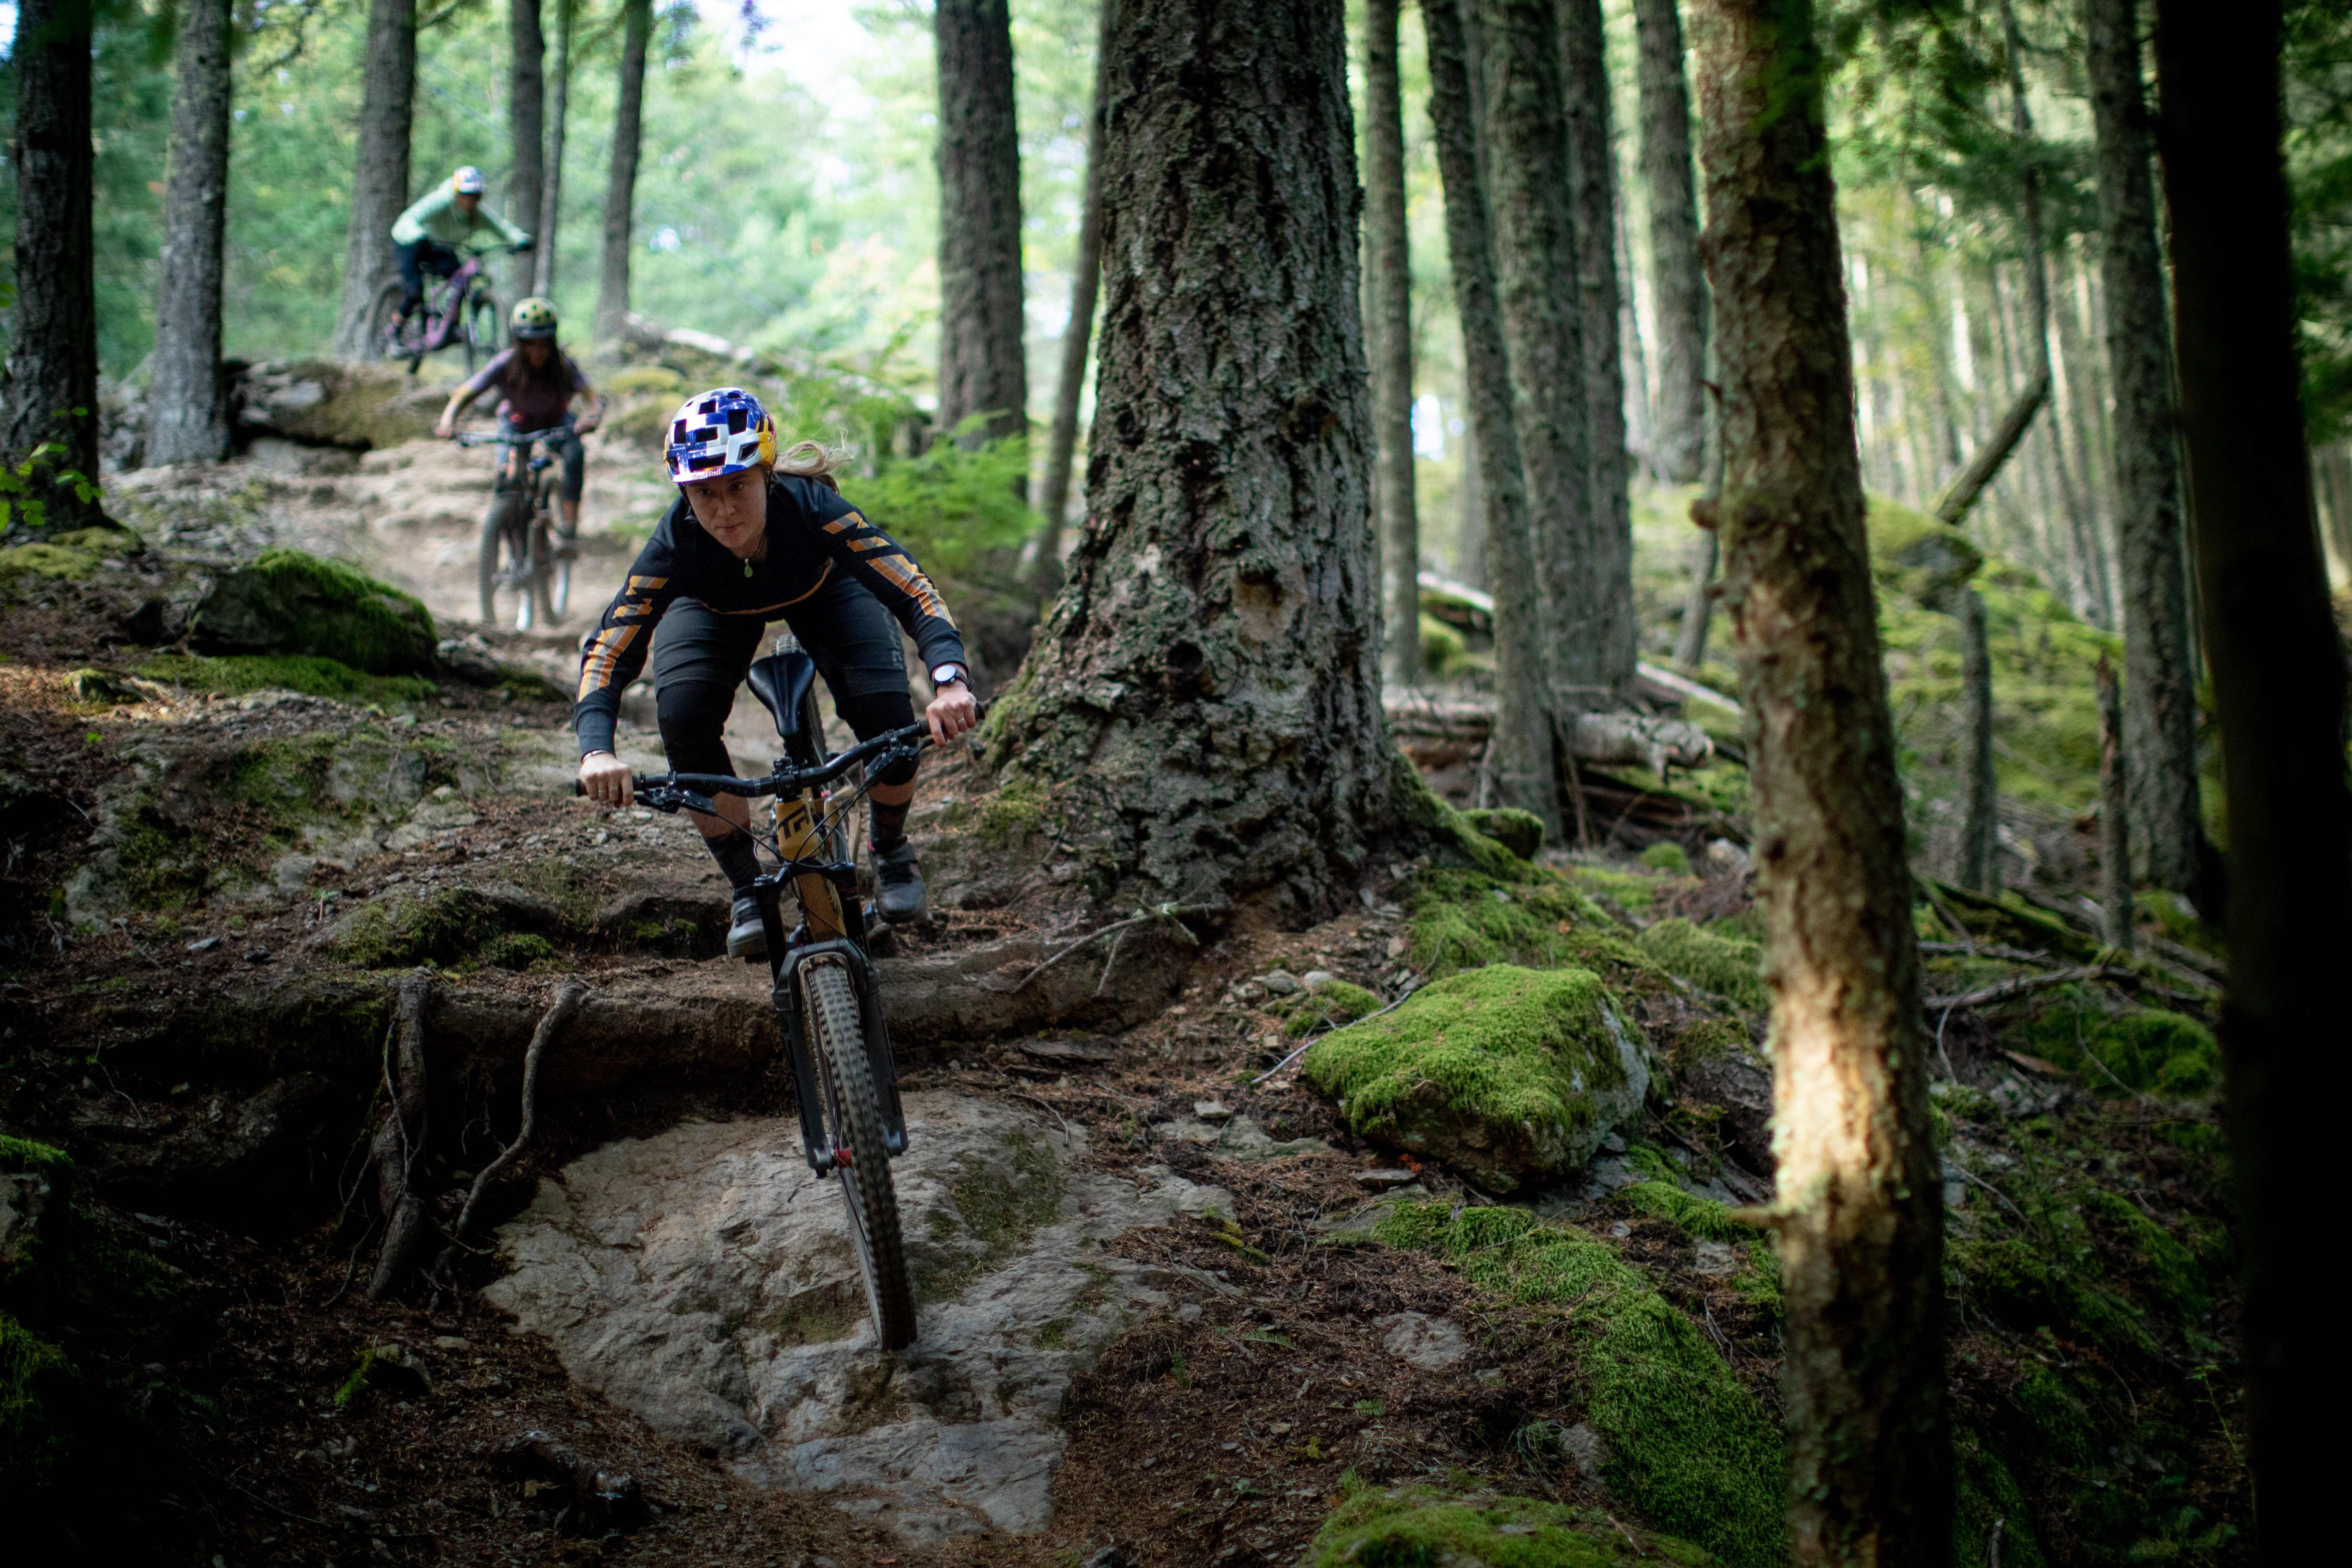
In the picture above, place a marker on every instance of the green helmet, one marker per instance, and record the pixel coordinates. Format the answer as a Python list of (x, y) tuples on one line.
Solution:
[(534, 318)]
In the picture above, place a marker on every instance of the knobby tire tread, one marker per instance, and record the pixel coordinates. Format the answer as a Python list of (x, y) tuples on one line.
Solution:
[(836, 1034)]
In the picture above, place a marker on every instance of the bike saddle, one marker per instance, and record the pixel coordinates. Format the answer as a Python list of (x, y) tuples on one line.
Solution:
[(781, 681)]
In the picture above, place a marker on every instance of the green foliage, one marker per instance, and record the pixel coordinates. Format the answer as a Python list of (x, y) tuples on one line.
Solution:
[(1693, 1449), (448, 927), (24, 567), (1335, 1002), (1727, 966), (290, 603), (1426, 1526), (236, 675), (1463, 919), (950, 505), (518, 951), (1667, 856)]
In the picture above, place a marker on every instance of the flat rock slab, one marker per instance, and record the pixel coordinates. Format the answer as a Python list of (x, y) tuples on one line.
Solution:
[(1240, 1138), (703, 1278)]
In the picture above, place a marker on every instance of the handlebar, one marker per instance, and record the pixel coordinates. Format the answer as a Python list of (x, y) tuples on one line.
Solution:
[(671, 791), (504, 438)]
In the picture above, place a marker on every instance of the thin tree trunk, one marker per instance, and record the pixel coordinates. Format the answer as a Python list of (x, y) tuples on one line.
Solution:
[(1860, 1217), (983, 366), (1389, 296), (1522, 746), (1592, 195), (1677, 282), (1085, 279), (526, 128), (49, 402), (621, 179), (1698, 605), (2114, 831), (551, 197), (187, 400), (1226, 586), (1470, 542), (1526, 171), (2277, 668), (380, 172), (1980, 796), (1641, 420), (2159, 671)]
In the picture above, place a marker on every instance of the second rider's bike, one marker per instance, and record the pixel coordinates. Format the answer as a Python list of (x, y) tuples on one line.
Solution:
[(826, 992), (519, 556)]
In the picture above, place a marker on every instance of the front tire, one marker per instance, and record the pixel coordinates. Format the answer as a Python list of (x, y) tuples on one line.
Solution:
[(852, 1114), (481, 329), (387, 333)]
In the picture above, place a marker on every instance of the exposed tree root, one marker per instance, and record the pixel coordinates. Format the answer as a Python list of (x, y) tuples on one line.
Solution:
[(569, 997), (400, 1141)]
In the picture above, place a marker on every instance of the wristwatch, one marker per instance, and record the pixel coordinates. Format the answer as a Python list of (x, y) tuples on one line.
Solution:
[(943, 673)]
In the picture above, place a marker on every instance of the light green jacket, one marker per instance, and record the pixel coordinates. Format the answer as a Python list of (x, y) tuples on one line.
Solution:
[(438, 216)]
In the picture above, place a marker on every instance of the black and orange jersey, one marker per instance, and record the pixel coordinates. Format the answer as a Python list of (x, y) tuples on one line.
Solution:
[(813, 533)]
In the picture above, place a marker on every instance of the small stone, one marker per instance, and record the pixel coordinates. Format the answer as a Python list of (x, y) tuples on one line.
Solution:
[(1316, 979), (1228, 1447), (1488, 1374), (1430, 1343), (1724, 853), (1188, 1311), (1383, 1180), (1620, 1229), (1211, 1110), (1280, 1428), (204, 945), (1514, 1529), (1715, 1258), (451, 1343), (1614, 1144), (256, 955), (1280, 982)]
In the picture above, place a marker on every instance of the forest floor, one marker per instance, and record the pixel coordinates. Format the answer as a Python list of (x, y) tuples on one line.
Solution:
[(1274, 1359)]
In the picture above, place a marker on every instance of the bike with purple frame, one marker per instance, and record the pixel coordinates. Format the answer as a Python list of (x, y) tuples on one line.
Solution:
[(458, 308)]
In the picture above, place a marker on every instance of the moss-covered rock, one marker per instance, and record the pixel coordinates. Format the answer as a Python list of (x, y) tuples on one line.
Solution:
[(2144, 1048), (239, 675), (1726, 965), (339, 403), (290, 603), (1509, 1075), (1330, 1003), (1412, 1526), (1465, 919), (1689, 1447), (1913, 554), (452, 926), (1667, 856), (27, 566), (1520, 832)]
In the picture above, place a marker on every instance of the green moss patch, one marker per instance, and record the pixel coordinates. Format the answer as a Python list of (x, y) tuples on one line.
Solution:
[(1334, 1003), (1727, 966), (1423, 1526), (998, 1202), (1669, 857), (1466, 920), (1691, 1447), (237, 675), (27, 566), (290, 603), (1520, 832), (1507, 1074), (2145, 1048), (450, 927)]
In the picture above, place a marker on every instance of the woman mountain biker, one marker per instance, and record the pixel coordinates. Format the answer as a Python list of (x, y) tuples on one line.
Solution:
[(428, 237), (753, 537), (537, 380)]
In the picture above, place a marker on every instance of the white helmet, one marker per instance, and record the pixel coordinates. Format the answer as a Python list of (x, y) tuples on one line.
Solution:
[(469, 182)]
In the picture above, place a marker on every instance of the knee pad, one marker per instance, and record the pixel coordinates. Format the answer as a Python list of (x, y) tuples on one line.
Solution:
[(896, 774)]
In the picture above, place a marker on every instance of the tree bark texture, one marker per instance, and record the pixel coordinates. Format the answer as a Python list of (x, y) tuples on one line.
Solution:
[(1859, 1216), (2277, 667), (1390, 340), (1527, 174), (983, 366), (1979, 793), (1206, 693), (1085, 281), (1592, 197), (2159, 674), (187, 400), (1522, 746), (550, 193), (621, 177), (52, 392), (2115, 829), (1678, 281), (380, 172), (526, 129)]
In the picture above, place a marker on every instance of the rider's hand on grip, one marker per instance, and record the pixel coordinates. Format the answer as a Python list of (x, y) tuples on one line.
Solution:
[(605, 778)]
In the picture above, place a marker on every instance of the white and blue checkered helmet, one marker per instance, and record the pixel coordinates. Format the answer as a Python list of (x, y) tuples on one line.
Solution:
[(722, 431)]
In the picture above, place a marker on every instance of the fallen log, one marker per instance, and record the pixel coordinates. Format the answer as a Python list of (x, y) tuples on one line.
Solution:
[(1451, 728)]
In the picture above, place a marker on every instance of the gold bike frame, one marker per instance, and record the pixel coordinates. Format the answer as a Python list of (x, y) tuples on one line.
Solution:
[(798, 839)]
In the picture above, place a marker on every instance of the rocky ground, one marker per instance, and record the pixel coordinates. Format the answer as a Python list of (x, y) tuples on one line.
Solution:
[(1186, 1298)]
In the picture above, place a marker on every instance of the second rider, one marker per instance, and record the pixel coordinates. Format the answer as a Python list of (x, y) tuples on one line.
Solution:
[(755, 537)]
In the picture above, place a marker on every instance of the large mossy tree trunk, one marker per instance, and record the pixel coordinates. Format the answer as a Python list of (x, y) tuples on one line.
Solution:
[(1078, 335), (380, 170), (621, 175), (48, 407), (2277, 668), (2160, 669), (188, 398), (1527, 174), (1206, 696), (1389, 303), (1592, 200), (1521, 758), (983, 368), (1859, 1215), (1678, 281), (526, 131)]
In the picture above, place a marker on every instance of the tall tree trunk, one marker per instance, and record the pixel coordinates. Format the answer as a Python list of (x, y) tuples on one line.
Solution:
[(621, 179), (1677, 282), (1527, 174), (380, 172), (2115, 826), (1979, 794), (526, 129), (1086, 279), (187, 401), (1470, 538), (2159, 675), (1390, 340), (1592, 195), (983, 365), (2277, 668), (1205, 695), (1522, 745), (550, 196), (1859, 1217), (1641, 420), (49, 402)]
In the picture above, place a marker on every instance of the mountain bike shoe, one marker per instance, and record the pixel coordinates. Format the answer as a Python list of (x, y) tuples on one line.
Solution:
[(746, 937), (898, 884)]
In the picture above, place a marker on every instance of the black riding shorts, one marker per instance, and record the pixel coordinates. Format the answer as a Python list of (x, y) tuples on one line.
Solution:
[(699, 657)]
